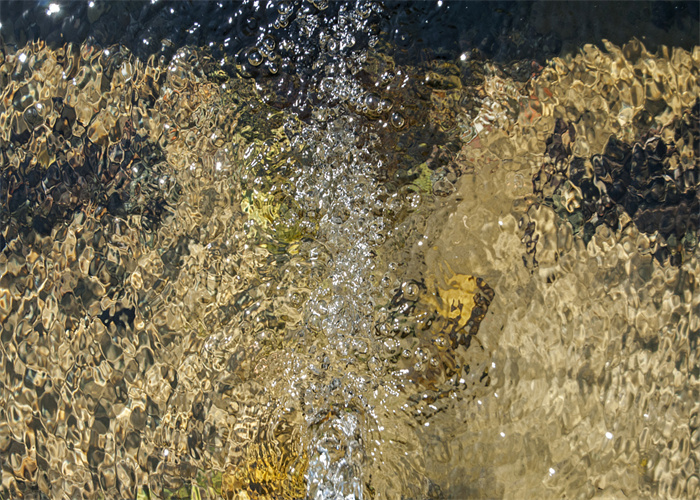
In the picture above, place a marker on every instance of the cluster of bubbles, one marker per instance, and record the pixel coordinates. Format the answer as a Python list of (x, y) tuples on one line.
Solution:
[(323, 205)]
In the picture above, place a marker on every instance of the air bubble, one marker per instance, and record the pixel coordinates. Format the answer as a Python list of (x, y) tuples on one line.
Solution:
[(327, 84), (373, 101), (413, 199), (441, 342), (387, 77), (32, 115), (285, 8), (268, 42), (255, 57), (397, 120), (410, 291), (364, 10)]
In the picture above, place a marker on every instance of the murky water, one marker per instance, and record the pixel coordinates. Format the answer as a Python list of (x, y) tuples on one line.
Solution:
[(319, 250)]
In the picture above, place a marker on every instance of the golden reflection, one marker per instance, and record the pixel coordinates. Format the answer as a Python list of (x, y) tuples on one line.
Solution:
[(208, 290)]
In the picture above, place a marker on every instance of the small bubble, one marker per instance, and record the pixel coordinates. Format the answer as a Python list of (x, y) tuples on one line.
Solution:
[(387, 77), (364, 10), (372, 101), (31, 114), (397, 120), (284, 7), (413, 199), (255, 57), (410, 291), (327, 84), (282, 22), (268, 42)]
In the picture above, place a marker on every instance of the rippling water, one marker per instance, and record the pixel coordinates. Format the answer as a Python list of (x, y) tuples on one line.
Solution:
[(349, 251)]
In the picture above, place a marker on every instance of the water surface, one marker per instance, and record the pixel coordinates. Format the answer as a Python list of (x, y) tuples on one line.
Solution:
[(327, 250)]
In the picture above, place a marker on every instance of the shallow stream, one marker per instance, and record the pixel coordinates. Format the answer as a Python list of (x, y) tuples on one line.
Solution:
[(417, 250)]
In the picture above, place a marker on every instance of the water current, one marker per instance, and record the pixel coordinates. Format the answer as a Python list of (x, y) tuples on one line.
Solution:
[(319, 250)]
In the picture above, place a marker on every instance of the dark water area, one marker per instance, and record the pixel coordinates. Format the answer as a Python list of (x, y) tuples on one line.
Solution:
[(500, 31)]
